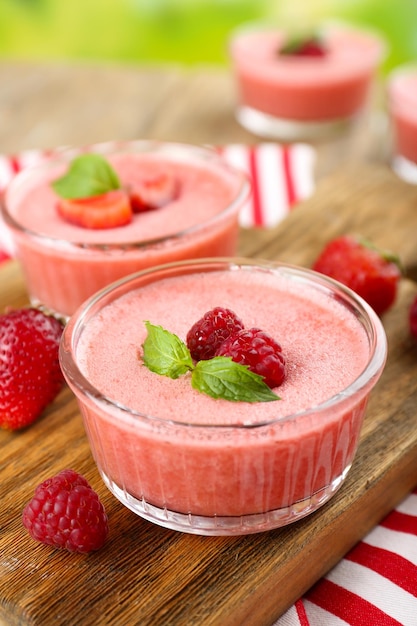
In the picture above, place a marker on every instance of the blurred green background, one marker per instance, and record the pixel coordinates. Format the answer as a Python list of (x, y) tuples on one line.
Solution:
[(181, 31)]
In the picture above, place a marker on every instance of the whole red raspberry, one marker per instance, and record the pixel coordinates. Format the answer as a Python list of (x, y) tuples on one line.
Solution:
[(66, 512), (206, 335), (413, 318), (259, 351)]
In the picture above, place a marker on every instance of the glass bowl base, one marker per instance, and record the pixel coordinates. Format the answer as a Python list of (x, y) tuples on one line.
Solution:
[(405, 169), (271, 127), (226, 525)]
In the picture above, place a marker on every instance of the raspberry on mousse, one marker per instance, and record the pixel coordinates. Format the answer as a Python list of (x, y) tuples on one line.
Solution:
[(220, 332), (209, 332)]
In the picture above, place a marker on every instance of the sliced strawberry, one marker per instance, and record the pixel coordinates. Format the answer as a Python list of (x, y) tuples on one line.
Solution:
[(108, 210), (311, 48), (153, 193), (306, 47)]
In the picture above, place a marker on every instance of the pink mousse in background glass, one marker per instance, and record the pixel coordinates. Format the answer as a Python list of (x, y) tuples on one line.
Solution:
[(293, 97), (402, 105), (189, 462), (64, 264)]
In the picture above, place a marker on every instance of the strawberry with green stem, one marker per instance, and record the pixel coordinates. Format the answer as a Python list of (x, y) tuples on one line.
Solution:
[(30, 374), (412, 318), (372, 273)]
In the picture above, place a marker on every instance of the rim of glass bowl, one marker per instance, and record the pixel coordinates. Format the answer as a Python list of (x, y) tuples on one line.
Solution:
[(185, 151), (362, 311)]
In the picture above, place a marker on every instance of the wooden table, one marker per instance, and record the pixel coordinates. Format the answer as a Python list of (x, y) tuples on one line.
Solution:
[(44, 106), (147, 575)]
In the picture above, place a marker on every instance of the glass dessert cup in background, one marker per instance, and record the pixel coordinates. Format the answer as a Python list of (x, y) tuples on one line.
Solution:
[(402, 109), (64, 264), (303, 98), (216, 467)]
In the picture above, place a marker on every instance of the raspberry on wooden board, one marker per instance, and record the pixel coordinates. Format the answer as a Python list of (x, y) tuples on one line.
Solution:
[(66, 513)]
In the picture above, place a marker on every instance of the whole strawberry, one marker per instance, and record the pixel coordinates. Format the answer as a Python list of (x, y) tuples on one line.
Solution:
[(30, 374), (412, 318), (372, 274), (65, 512)]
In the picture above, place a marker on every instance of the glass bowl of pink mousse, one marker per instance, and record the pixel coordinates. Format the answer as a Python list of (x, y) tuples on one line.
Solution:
[(65, 263), (402, 108), (309, 87), (216, 464)]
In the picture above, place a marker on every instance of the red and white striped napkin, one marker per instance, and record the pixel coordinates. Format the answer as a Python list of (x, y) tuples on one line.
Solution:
[(375, 584), (281, 176)]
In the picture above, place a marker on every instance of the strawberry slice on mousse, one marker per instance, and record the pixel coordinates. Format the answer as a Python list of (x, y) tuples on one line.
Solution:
[(308, 46), (91, 195), (108, 210), (153, 193)]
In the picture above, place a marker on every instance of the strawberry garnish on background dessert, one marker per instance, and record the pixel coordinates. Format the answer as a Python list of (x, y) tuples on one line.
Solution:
[(109, 210), (304, 46), (66, 513), (153, 192), (30, 374), (372, 273), (91, 195)]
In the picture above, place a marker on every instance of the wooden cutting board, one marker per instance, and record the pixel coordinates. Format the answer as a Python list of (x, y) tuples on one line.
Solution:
[(151, 576)]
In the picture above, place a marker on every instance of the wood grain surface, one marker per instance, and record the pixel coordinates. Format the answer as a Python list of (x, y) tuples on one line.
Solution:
[(359, 198), (57, 104), (150, 576), (146, 575)]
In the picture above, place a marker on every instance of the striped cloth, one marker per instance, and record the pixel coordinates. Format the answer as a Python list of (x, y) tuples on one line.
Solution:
[(281, 176), (375, 584)]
